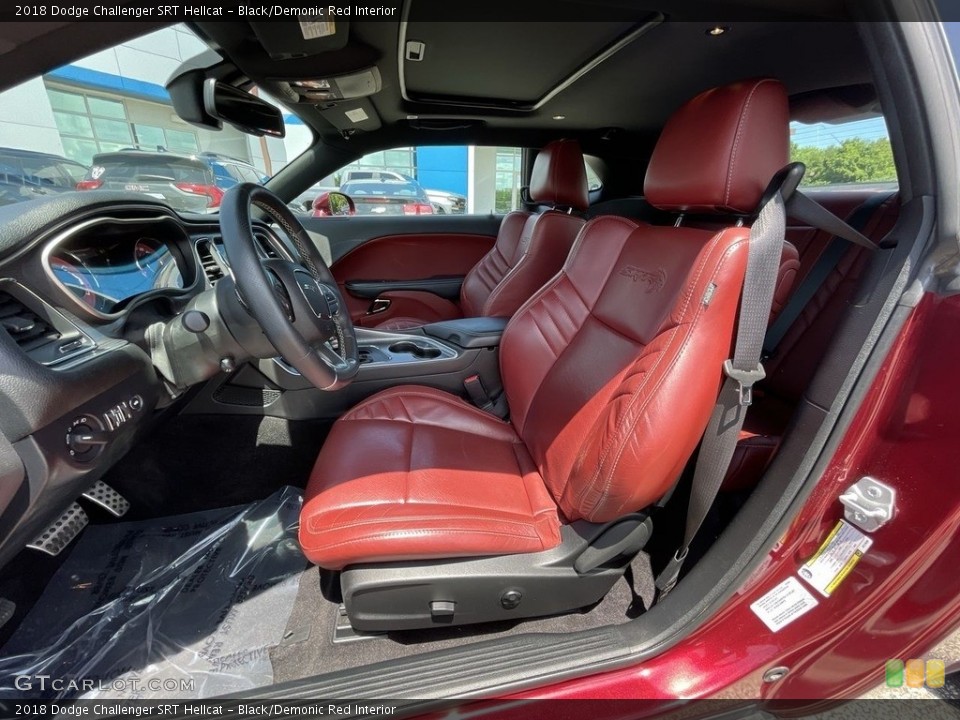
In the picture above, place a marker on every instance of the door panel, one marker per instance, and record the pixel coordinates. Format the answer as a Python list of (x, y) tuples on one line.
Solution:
[(402, 249)]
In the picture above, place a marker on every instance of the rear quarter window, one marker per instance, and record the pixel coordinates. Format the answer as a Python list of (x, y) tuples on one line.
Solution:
[(840, 154)]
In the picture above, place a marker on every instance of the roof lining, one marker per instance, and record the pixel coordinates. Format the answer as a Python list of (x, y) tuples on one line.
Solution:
[(596, 60)]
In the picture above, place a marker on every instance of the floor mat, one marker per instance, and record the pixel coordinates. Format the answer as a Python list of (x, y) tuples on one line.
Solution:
[(142, 609)]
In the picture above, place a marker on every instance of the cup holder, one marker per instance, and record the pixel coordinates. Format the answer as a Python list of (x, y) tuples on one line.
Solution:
[(418, 351)]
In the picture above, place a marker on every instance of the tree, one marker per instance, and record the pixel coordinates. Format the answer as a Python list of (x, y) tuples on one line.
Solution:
[(854, 160)]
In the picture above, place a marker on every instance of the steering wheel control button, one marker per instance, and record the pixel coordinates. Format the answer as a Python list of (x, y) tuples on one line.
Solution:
[(195, 321), (280, 291), (316, 297)]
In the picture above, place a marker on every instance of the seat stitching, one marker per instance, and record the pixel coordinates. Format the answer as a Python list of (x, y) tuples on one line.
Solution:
[(736, 142), (621, 444), (423, 533), (705, 255), (690, 327)]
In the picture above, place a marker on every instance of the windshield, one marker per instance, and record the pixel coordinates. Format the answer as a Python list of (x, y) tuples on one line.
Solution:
[(105, 122)]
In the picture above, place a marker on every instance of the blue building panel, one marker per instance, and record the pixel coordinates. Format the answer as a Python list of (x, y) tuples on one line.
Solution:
[(443, 167)]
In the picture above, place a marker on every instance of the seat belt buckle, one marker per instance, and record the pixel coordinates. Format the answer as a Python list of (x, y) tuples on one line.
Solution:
[(477, 392), (745, 380)]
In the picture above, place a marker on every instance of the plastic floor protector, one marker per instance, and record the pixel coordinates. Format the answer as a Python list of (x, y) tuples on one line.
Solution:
[(178, 607)]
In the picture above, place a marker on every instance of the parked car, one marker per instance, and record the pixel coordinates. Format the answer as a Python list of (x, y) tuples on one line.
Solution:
[(447, 203), (352, 175), (387, 197), (25, 174), (193, 183)]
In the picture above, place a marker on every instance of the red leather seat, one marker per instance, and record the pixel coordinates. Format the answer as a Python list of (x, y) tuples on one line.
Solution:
[(530, 248), (611, 372)]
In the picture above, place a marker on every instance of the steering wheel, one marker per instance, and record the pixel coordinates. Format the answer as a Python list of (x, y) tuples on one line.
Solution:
[(298, 306)]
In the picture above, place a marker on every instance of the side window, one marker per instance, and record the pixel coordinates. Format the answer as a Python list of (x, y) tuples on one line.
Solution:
[(844, 153), (432, 180), (594, 182)]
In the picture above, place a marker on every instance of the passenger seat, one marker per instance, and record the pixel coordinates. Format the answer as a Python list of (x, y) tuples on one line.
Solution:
[(531, 247)]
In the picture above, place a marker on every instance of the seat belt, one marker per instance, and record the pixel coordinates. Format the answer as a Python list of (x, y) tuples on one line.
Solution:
[(744, 370), (828, 260), (767, 236)]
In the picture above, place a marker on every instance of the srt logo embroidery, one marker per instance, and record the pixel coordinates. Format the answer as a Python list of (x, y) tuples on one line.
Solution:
[(652, 279)]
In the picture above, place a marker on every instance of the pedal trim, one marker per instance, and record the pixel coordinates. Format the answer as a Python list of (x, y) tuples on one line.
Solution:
[(107, 498), (61, 531)]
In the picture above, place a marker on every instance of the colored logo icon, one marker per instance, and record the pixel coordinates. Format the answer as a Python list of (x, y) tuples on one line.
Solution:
[(915, 673)]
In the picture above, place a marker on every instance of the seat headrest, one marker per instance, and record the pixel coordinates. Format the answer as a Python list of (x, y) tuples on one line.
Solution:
[(559, 176), (719, 151)]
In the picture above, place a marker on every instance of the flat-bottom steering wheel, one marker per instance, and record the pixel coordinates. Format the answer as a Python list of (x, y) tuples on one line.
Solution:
[(298, 306)]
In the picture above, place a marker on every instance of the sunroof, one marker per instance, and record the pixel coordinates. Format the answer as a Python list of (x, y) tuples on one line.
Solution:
[(516, 66)]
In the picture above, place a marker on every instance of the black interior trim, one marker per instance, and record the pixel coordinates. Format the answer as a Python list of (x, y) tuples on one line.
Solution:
[(445, 286)]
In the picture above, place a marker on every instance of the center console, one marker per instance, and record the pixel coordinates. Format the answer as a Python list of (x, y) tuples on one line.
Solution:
[(443, 355)]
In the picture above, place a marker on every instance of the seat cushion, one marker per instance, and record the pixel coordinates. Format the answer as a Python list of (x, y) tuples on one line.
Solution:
[(414, 473)]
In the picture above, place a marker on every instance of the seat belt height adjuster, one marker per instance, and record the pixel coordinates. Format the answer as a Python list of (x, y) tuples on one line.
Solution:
[(745, 380)]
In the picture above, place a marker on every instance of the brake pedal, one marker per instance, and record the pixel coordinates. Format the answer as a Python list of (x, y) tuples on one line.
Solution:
[(64, 529), (106, 497)]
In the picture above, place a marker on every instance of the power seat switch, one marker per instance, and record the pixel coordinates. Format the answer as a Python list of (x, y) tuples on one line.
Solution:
[(442, 610)]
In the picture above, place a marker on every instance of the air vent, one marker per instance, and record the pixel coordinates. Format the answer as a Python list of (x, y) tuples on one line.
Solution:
[(28, 329), (266, 246), (208, 259)]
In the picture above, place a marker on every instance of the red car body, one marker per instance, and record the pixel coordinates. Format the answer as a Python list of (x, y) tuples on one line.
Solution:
[(898, 602)]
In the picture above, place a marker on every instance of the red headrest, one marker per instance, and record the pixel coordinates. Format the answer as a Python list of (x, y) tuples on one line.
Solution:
[(719, 151), (559, 176)]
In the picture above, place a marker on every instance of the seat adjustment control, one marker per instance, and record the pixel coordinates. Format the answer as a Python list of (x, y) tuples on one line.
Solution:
[(442, 610)]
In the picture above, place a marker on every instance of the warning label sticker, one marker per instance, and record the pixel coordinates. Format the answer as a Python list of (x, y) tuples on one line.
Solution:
[(784, 604), (311, 30), (837, 556)]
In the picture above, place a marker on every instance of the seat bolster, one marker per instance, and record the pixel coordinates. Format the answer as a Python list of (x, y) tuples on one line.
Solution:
[(484, 277), (542, 253)]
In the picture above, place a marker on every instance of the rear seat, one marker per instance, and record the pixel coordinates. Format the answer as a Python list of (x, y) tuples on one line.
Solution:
[(792, 367)]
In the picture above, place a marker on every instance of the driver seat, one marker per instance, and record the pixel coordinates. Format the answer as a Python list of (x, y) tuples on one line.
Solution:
[(611, 372)]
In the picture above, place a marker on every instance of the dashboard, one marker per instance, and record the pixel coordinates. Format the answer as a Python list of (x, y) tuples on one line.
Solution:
[(87, 282)]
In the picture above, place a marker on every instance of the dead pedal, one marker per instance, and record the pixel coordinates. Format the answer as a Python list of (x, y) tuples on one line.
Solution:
[(106, 497), (343, 631), (61, 531)]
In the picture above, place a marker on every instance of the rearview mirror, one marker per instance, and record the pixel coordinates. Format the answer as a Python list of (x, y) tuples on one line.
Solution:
[(246, 112)]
